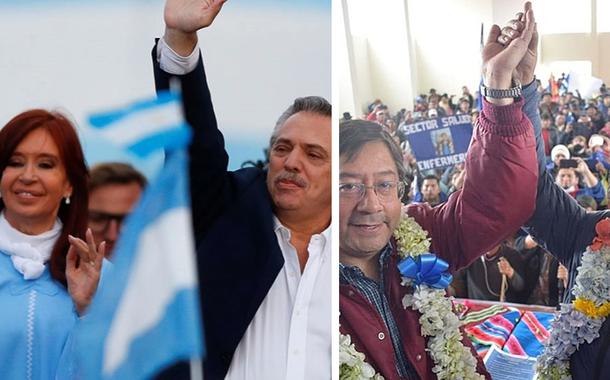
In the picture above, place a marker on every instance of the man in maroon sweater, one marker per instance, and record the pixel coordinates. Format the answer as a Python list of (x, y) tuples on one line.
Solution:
[(488, 209)]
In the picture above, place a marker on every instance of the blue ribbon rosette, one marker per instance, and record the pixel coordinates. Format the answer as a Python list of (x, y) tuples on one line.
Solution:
[(426, 269)]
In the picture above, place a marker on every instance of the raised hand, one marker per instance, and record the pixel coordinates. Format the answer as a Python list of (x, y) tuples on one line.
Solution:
[(499, 62), (525, 69), (83, 267), (183, 18), (188, 16)]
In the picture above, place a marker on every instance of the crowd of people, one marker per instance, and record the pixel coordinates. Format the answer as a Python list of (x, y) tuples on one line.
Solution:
[(576, 138), (472, 234)]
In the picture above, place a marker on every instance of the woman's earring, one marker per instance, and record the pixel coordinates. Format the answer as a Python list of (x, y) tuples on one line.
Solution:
[(67, 200)]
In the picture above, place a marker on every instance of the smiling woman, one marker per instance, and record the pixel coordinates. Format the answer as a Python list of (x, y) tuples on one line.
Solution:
[(47, 277)]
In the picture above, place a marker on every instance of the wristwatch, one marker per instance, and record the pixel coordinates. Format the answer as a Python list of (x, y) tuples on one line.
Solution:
[(494, 93)]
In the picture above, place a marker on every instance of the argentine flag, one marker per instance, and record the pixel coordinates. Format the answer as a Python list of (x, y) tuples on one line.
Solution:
[(145, 315)]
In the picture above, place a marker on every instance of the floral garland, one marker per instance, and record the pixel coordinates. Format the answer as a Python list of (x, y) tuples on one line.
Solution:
[(351, 362), (581, 320), (427, 275)]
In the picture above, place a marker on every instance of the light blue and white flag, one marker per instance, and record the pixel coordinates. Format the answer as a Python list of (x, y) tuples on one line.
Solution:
[(146, 315), (147, 126)]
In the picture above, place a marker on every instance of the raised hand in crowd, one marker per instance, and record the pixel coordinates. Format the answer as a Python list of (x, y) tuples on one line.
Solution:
[(583, 169), (83, 267), (500, 61), (183, 18), (524, 72)]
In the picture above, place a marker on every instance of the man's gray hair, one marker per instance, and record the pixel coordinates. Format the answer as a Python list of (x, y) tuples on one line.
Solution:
[(314, 104)]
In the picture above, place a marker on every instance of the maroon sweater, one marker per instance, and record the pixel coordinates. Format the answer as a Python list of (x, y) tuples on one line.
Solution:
[(498, 196)]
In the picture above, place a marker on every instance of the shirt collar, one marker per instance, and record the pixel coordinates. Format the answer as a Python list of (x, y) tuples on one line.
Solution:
[(285, 232), (353, 271)]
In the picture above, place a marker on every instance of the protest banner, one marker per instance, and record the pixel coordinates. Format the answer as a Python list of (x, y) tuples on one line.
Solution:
[(440, 142)]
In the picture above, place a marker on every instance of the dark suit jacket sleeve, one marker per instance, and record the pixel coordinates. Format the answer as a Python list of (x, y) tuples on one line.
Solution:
[(208, 157), (559, 224)]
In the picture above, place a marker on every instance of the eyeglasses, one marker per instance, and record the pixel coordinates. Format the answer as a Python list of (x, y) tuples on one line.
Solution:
[(100, 221), (385, 191)]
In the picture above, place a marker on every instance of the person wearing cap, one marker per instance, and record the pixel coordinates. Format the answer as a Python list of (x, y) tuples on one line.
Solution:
[(558, 153)]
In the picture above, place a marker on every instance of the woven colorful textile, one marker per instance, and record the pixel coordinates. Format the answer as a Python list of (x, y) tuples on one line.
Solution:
[(528, 335), (495, 330)]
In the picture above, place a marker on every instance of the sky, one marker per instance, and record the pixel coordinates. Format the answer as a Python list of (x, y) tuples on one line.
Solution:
[(84, 57)]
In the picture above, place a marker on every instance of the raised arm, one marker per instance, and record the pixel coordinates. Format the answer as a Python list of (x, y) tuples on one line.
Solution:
[(559, 224), (208, 158), (501, 169)]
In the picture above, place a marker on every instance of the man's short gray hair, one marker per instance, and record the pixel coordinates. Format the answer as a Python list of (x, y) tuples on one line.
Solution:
[(314, 104)]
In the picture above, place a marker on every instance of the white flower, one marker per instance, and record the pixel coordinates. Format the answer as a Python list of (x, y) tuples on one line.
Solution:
[(572, 328), (351, 362)]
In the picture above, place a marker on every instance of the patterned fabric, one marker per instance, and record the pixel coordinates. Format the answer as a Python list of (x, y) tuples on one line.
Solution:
[(481, 315), (510, 329), (494, 331), (375, 294), (528, 335)]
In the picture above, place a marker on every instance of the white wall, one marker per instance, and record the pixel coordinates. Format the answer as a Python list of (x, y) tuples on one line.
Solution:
[(446, 36), (381, 45), (447, 39)]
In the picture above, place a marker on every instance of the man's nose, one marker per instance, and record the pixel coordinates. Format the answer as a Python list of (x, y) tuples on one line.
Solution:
[(294, 161)]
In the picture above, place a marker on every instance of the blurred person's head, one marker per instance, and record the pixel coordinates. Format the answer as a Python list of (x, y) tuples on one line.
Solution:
[(579, 144), (546, 98), (566, 178), (596, 142), (547, 120), (591, 111), (558, 153), (560, 120), (431, 190), (114, 190), (380, 116), (464, 106), (44, 178)]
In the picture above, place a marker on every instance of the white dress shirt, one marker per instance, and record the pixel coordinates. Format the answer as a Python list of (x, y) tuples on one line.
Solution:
[(290, 335)]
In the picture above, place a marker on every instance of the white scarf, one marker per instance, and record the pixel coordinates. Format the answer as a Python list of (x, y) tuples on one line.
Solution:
[(29, 253)]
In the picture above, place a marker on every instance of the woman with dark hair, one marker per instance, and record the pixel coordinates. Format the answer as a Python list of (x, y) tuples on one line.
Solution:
[(48, 277)]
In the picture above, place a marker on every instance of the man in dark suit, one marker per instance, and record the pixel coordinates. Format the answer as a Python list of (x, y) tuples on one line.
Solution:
[(262, 236)]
